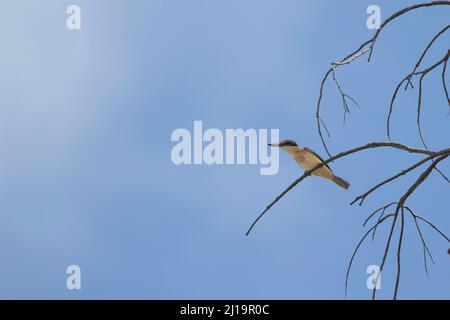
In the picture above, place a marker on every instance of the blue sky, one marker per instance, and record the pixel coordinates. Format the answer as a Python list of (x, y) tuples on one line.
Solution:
[(85, 124)]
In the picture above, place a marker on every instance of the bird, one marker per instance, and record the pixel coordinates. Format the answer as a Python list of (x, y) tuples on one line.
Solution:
[(308, 159)]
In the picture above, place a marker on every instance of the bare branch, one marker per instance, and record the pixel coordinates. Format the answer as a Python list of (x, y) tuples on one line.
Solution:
[(434, 227), (391, 107), (419, 100), (442, 174), (400, 205), (424, 53), (368, 46), (399, 251), (422, 74), (363, 196), (424, 244), (383, 210), (338, 156), (434, 156), (400, 13), (320, 122), (344, 96), (358, 246), (419, 107), (444, 69), (376, 211)]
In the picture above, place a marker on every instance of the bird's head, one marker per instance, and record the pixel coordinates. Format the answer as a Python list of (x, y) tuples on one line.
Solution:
[(285, 144)]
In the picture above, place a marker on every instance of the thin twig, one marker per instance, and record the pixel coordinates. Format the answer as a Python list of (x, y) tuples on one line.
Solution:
[(422, 74), (399, 251), (419, 100), (376, 211), (357, 248), (424, 244), (434, 227), (430, 44), (444, 69)]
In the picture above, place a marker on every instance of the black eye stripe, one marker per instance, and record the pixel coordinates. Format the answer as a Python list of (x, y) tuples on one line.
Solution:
[(288, 143)]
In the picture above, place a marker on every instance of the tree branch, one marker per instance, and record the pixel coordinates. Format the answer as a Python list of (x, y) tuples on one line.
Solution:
[(400, 205), (363, 196), (338, 156), (430, 44), (368, 46), (358, 246), (400, 13)]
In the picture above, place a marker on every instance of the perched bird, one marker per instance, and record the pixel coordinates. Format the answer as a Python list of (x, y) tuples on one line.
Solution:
[(308, 159)]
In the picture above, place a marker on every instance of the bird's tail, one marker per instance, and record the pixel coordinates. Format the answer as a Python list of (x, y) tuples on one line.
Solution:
[(340, 182)]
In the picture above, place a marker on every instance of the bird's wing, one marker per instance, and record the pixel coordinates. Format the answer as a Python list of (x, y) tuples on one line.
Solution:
[(309, 150)]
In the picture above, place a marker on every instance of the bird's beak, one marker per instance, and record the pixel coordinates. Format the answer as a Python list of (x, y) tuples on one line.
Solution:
[(274, 145)]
